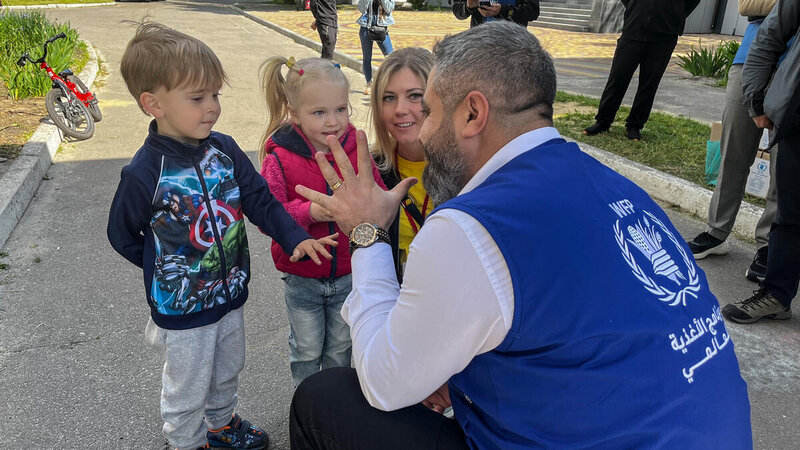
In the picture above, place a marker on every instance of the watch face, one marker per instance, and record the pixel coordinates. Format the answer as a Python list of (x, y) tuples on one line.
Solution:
[(364, 234)]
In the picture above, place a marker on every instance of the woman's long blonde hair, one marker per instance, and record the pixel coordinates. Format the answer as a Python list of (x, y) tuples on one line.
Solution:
[(281, 93), (420, 62)]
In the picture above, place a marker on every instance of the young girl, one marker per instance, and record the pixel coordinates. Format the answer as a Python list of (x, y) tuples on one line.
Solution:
[(305, 107)]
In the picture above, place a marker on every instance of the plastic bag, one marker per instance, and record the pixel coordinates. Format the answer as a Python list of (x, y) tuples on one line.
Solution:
[(712, 162)]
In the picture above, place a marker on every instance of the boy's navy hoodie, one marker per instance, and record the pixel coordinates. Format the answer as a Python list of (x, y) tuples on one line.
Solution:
[(178, 214)]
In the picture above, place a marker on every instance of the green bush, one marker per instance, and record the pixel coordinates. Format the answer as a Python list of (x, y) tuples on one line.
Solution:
[(709, 61), (27, 31), (418, 5)]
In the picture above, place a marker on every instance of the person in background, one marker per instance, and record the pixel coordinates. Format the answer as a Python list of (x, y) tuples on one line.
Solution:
[(326, 22), (397, 117), (778, 110), (374, 13), (481, 11), (738, 144), (649, 34)]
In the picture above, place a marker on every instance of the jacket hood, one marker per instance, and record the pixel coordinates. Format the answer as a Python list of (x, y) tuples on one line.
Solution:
[(172, 147), (291, 137)]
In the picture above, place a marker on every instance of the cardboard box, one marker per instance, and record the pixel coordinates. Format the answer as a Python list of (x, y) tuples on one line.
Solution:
[(758, 180), (716, 131)]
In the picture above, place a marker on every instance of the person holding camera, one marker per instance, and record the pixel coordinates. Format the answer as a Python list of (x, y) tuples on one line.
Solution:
[(376, 16), (481, 11)]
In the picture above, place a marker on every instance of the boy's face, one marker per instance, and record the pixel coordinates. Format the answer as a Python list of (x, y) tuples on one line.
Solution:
[(185, 113)]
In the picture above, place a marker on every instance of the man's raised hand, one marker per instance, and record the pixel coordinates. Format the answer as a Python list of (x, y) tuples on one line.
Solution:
[(356, 198)]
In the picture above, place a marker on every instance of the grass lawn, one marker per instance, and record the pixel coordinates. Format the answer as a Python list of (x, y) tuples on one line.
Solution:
[(48, 2), (675, 145)]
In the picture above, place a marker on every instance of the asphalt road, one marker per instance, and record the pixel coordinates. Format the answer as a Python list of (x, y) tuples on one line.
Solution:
[(73, 365)]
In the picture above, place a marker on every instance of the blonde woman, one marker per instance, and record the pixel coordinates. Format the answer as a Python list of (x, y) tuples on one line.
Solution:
[(396, 109)]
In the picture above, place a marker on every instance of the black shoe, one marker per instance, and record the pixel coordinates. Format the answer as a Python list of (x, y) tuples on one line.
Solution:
[(596, 129), (762, 304), (705, 244), (758, 269), (634, 134)]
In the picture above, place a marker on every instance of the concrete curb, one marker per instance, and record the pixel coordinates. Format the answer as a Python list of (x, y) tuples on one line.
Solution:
[(673, 190), (341, 58), (26, 172), (61, 6), (661, 186)]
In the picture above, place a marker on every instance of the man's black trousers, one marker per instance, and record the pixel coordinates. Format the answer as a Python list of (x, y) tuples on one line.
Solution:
[(327, 37), (652, 58), (329, 411), (783, 260)]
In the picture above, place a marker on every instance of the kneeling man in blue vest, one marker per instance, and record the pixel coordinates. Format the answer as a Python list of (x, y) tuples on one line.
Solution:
[(548, 299)]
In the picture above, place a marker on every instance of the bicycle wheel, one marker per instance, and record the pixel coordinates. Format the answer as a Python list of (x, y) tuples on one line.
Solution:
[(94, 108), (69, 114)]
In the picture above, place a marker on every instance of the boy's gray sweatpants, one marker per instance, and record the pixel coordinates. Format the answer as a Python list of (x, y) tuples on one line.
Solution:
[(201, 377)]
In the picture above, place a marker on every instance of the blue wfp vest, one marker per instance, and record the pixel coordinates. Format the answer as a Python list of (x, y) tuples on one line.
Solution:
[(616, 341)]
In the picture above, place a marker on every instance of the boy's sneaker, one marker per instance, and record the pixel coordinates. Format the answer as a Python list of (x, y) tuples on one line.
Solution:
[(595, 129), (705, 244), (758, 269), (762, 304), (238, 433), (634, 134)]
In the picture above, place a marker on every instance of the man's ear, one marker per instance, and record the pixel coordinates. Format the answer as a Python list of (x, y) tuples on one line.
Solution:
[(477, 114), (150, 104)]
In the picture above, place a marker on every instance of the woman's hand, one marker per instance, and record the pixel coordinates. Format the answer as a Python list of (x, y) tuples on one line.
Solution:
[(357, 198), (310, 248)]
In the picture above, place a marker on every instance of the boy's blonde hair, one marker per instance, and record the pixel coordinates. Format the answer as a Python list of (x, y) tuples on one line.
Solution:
[(281, 94), (160, 56), (420, 62)]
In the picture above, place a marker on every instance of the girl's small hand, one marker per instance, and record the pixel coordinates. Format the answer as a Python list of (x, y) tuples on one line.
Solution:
[(310, 248), (314, 25), (320, 214)]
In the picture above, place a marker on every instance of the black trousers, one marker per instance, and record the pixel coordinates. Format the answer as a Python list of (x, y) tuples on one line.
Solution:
[(327, 36), (652, 58), (330, 412), (783, 260)]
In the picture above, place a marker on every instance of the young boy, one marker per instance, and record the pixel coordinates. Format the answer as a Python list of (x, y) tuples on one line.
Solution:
[(178, 214)]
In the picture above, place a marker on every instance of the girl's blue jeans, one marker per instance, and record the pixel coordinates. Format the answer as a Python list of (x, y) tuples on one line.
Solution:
[(366, 51), (318, 338)]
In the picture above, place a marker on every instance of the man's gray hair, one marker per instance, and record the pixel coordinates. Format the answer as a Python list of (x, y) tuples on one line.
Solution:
[(503, 61)]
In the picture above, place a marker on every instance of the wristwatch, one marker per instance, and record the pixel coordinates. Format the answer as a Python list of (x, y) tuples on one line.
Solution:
[(366, 234)]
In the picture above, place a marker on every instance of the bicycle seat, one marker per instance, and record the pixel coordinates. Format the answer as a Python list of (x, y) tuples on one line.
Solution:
[(65, 73)]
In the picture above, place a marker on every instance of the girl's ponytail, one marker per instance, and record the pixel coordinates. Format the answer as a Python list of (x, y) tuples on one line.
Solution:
[(273, 85)]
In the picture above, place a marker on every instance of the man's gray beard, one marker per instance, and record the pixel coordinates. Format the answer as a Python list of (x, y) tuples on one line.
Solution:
[(445, 172)]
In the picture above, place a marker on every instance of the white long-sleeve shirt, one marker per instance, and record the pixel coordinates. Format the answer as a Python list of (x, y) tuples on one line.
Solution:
[(456, 301)]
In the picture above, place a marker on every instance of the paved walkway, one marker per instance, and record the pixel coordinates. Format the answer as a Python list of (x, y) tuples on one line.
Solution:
[(582, 60), (581, 54)]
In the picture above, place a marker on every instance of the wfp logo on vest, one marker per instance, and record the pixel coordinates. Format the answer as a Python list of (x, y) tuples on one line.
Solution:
[(655, 256)]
